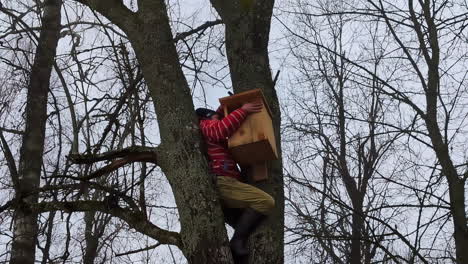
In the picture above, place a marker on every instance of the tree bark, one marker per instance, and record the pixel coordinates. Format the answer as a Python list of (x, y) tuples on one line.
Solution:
[(203, 235), (247, 34), (25, 221)]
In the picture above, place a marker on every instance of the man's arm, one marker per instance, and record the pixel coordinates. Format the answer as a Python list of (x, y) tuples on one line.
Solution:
[(217, 130)]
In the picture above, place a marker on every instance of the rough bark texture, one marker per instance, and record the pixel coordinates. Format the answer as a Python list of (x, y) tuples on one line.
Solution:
[(203, 235), (25, 221), (247, 33)]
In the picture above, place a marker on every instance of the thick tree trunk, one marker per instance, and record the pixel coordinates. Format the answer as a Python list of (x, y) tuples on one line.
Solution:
[(247, 34), (203, 233), (25, 222)]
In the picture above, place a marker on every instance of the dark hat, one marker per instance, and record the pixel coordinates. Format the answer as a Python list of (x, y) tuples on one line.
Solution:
[(205, 113)]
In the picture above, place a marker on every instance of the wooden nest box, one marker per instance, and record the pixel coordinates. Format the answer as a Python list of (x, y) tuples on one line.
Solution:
[(254, 142)]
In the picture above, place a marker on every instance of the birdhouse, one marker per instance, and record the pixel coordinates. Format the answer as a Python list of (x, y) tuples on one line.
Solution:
[(254, 142)]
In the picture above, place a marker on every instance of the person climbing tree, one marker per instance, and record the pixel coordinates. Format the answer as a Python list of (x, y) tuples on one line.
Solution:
[(234, 194)]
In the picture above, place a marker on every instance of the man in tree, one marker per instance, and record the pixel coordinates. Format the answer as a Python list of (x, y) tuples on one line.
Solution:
[(234, 194)]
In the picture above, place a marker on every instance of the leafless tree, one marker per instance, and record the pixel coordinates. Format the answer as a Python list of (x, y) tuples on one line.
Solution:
[(99, 162), (26, 179), (393, 50)]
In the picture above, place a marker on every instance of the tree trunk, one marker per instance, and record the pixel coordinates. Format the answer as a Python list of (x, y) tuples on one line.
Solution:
[(455, 185), (356, 235), (203, 233), (91, 239), (247, 34), (441, 149), (25, 222)]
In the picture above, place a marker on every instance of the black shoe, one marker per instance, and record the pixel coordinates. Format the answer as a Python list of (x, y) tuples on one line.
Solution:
[(249, 219), (232, 216)]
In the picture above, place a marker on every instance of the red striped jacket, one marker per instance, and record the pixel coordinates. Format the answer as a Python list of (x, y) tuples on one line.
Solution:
[(215, 133)]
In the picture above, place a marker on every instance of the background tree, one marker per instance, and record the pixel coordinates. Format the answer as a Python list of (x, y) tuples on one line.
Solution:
[(26, 178), (394, 51)]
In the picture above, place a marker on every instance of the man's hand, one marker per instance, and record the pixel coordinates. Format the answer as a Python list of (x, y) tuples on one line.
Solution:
[(220, 110), (253, 107)]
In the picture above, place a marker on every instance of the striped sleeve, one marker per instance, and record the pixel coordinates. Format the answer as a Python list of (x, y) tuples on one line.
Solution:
[(217, 130)]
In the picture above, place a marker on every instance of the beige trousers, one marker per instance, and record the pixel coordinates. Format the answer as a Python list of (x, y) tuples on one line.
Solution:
[(236, 194)]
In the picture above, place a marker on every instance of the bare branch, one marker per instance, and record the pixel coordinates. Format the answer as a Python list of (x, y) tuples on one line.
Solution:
[(135, 220), (202, 28), (10, 161), (138, 250), (93, 158), (114, 10)]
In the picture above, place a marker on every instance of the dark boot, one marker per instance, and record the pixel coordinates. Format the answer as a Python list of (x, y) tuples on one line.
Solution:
[(245, 224), (232, 215)]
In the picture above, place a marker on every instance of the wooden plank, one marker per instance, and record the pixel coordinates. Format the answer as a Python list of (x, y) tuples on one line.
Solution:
[(237, 100), (244, 134), (254, 142), (253, 152), (257, 127)]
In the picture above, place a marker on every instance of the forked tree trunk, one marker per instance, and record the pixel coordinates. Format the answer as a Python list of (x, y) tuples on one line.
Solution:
[(25, 222)]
